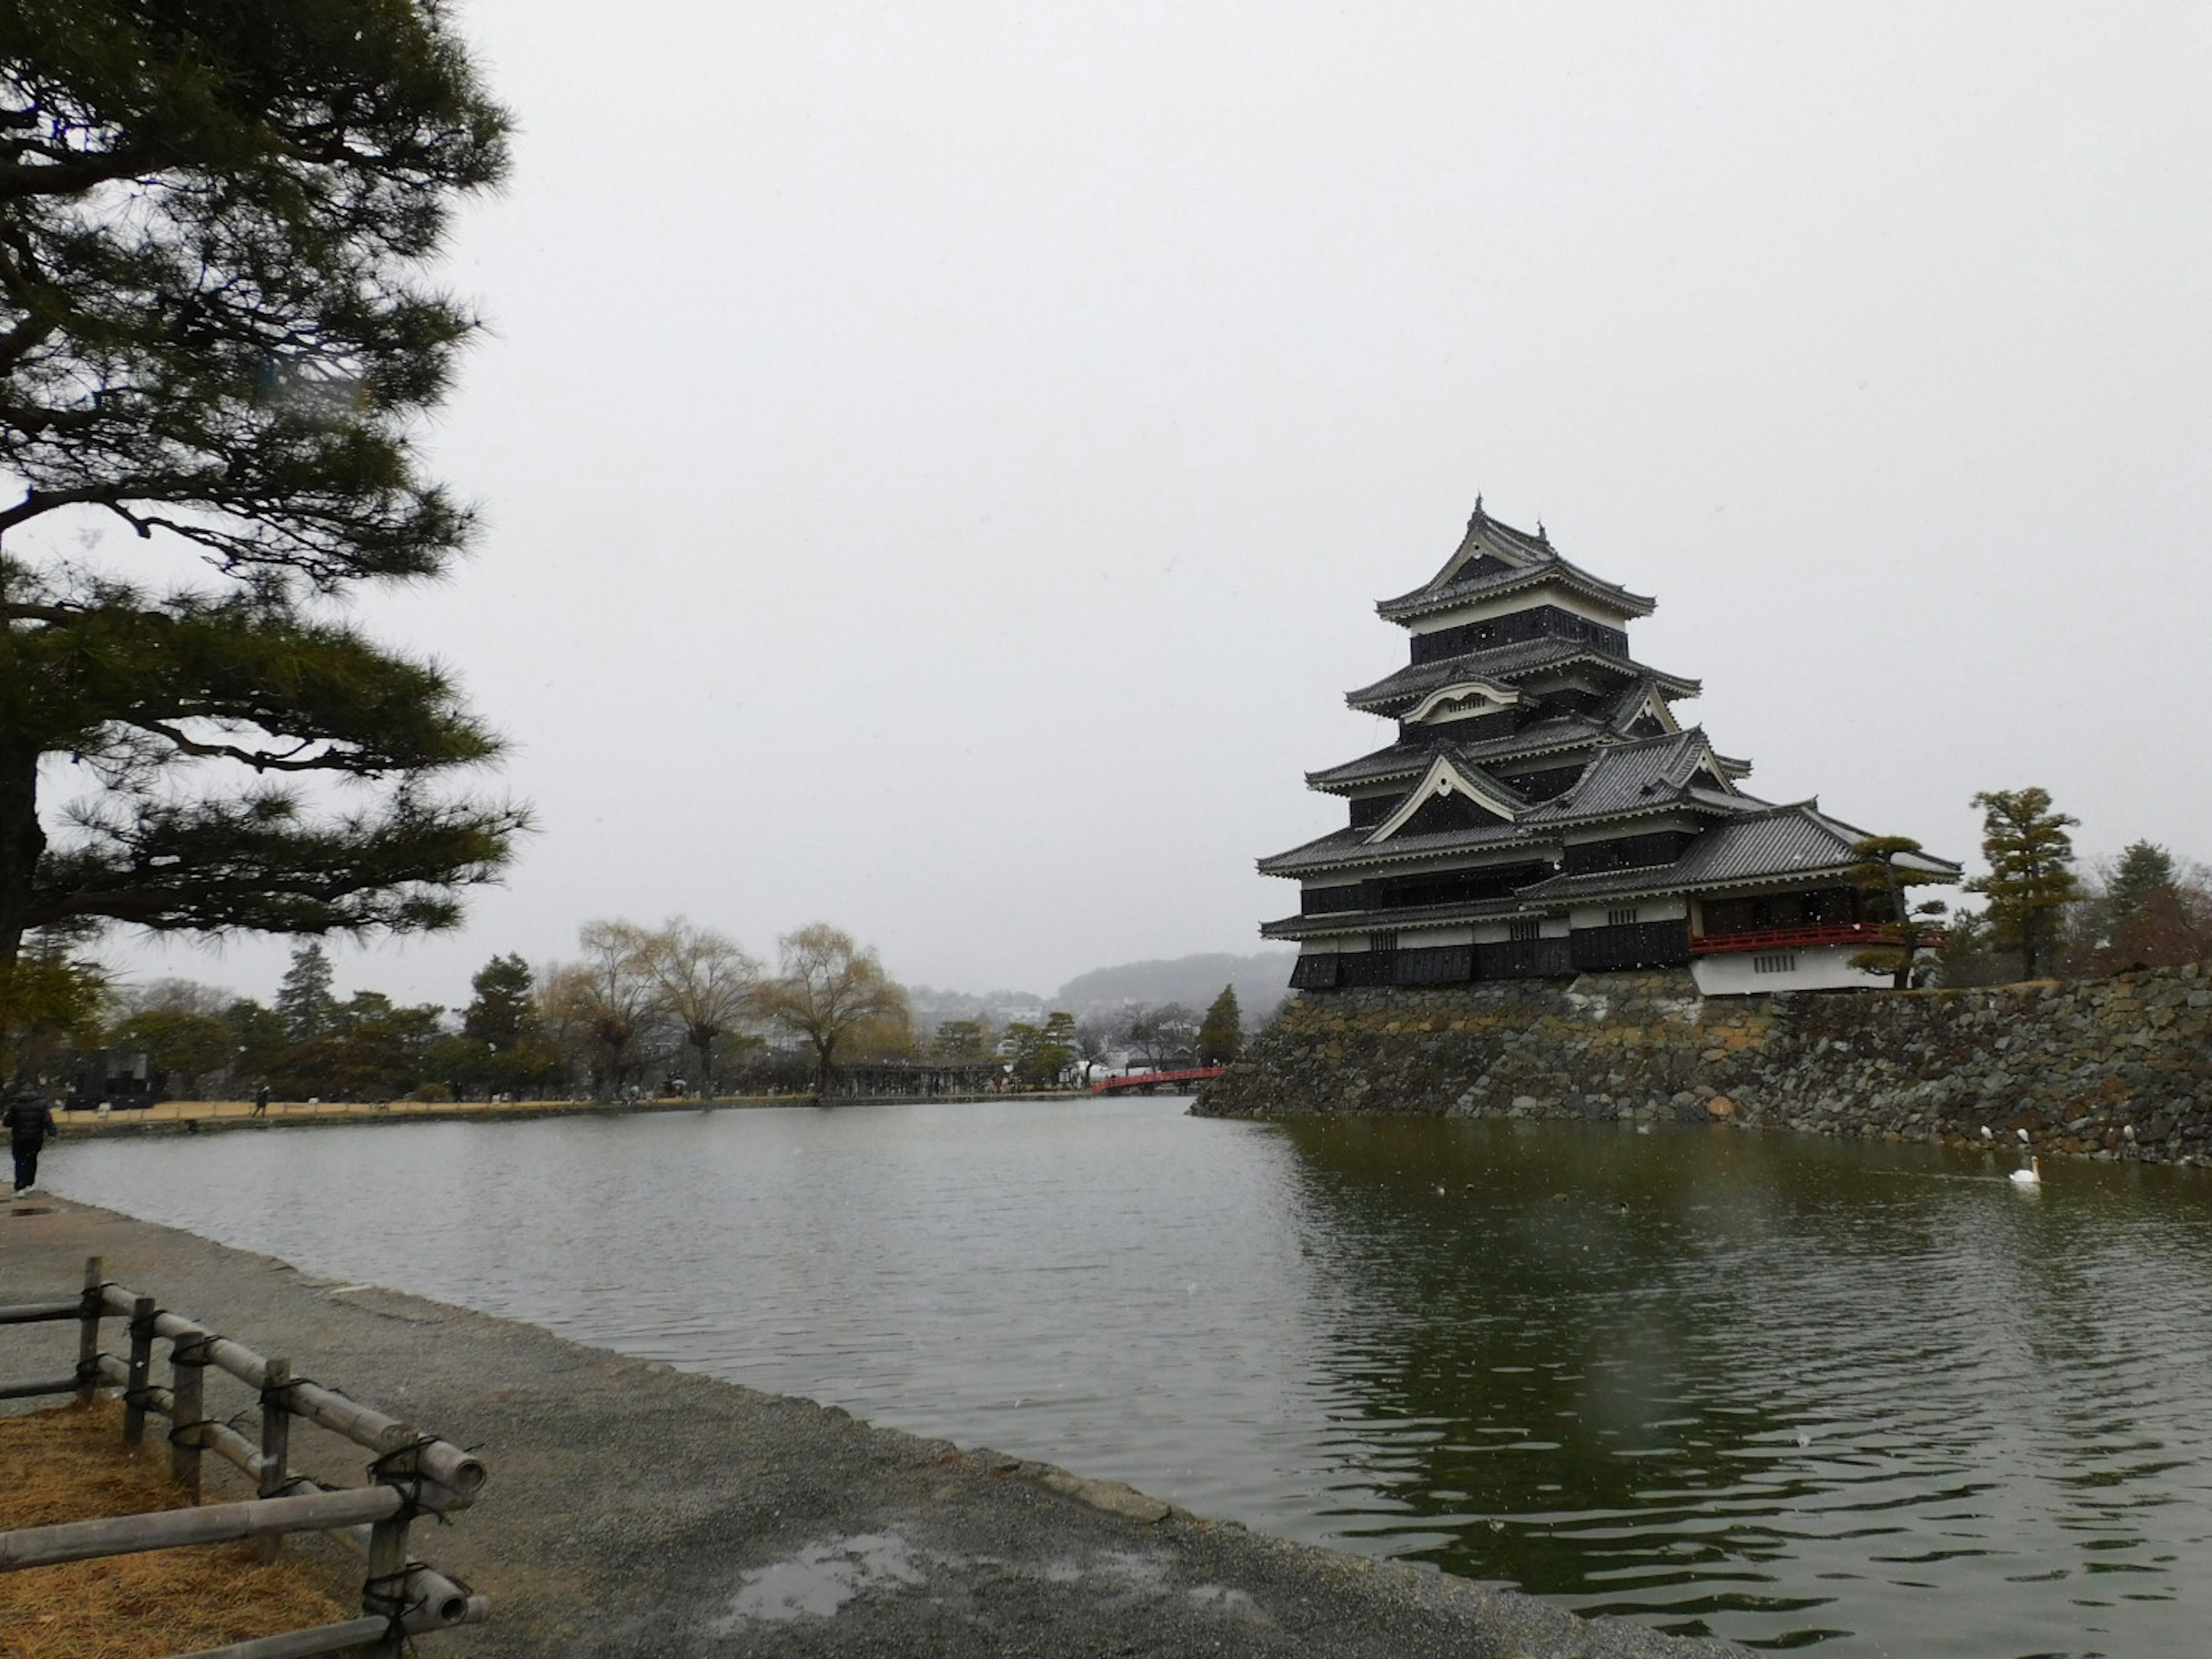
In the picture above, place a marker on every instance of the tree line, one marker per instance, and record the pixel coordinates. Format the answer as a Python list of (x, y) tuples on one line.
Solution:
[(1063, 1049), (2043, 913), (638, 1011)]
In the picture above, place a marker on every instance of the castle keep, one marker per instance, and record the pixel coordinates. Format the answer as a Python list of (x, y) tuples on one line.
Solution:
[(1542, 812)]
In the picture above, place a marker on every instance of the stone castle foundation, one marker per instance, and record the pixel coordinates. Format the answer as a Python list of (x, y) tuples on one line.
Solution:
[(2110, 1068)]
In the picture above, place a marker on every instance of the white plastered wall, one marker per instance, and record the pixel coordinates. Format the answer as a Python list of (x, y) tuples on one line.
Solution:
[(1813, 967), (1671, 908)]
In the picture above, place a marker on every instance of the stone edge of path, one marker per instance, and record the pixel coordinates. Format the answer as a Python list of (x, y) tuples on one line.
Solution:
[(1489, 1621)]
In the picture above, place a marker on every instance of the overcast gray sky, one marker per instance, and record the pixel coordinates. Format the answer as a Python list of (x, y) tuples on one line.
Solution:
[(939, 460)]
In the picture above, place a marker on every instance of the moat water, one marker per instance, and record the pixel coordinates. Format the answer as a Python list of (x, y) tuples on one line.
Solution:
[(1872, 1399)]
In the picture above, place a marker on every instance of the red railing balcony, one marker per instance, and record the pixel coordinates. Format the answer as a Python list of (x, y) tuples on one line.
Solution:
[(1865, 935)]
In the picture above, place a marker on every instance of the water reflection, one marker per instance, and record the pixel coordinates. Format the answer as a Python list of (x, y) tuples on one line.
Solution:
[(1787, 1391), (1776, 1390)]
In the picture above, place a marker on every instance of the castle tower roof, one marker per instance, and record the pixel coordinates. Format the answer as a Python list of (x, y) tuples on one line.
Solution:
[(1495, 561)]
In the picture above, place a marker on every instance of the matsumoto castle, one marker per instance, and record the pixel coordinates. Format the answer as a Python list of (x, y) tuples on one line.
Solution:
[(1542, 812)]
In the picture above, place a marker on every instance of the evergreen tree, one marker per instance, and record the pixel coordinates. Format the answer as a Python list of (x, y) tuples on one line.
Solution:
[(1884, 871), (1221, 1033), (1056, 1047), (2146, 910), (1967, 957), (2031, 879), (304, 1001), (258, 1038), (505, 1003), (216, 335), (1041, 1055), (2145, 874), (961, 1039), (50, 1001)]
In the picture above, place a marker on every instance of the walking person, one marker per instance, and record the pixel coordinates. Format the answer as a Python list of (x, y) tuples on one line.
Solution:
[(29, 1120), (261, 1101)]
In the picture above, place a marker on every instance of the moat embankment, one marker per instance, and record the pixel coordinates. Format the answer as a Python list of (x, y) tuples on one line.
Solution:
[(191, 1117), (2110, 1068)]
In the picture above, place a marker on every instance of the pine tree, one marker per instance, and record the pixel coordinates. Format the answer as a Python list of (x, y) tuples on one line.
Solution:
[(1883, 871), (2146, 909), (2145, 874), (49, 1001), (304, 1000), (1221, 1033), (505, 1003), (216, 335), (2031, 879)]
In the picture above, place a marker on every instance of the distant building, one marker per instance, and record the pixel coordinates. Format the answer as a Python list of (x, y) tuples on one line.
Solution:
[(1542, 812)]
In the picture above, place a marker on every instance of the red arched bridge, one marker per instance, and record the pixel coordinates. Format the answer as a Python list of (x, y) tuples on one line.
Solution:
[(1175, 1083)]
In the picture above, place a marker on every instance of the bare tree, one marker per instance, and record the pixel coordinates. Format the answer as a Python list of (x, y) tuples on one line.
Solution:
[(602, 1005), (1164, 1034), (705, 985), (1095, 1039), (828, 988), (183, 996)]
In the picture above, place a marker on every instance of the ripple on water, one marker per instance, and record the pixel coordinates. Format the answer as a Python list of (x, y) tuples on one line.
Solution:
[(1794, 1393)]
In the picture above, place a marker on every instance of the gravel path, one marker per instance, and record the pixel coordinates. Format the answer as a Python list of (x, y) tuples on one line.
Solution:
[(636, 1509)]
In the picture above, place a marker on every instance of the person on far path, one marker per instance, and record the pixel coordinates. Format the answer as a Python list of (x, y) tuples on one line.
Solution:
[(261, 1101), (29, 1120)]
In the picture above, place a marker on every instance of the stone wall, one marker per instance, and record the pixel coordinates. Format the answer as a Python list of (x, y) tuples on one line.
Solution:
[(2104, 1068)]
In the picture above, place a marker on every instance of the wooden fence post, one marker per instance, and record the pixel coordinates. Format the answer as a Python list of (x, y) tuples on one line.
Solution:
[(275, 1443), (88, 1332), (188, 1390), (384, 1594), (142, 1365)]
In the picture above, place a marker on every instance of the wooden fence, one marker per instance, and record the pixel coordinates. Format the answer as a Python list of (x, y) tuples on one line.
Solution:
[(412, 1474)]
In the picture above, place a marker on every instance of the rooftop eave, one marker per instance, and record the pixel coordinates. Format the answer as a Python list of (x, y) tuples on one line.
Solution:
[(1367, 700), (1362, 856), (1426, 601), (1624, 814), (1662, 878), (1422, 915), (1506, 751)]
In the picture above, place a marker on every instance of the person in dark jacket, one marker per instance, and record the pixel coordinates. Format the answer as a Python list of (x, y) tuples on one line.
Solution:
[(29, 1120)]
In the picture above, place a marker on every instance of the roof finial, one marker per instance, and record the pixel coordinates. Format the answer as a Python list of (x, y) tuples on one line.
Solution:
[(1540, 536), (1476, 519)]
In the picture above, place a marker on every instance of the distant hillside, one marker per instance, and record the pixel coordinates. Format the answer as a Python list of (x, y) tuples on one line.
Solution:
[(1261, 980)]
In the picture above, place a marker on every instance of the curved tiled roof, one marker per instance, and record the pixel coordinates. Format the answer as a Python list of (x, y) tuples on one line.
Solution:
[(1625, 779), (1505, 662), (1349, 847), (1407, 757), (1790, 842), (1533, 564), (1497, 584), (1640, 778)]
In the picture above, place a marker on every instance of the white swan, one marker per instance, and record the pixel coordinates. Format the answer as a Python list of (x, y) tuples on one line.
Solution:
[(2031, 1176)]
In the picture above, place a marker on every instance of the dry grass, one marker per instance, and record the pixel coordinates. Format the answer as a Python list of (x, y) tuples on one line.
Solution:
[(70, 1464)]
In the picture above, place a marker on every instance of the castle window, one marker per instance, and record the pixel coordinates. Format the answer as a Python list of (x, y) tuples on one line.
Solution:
[(1386, 941), (1525, 928), (1622, 918), (1774, 962)]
